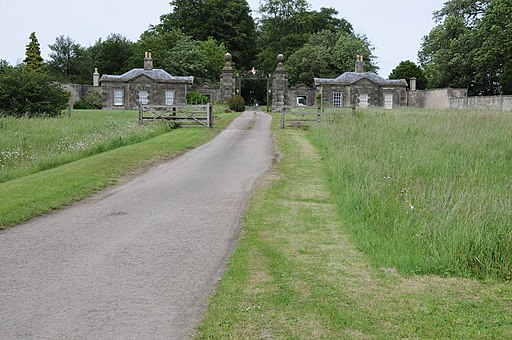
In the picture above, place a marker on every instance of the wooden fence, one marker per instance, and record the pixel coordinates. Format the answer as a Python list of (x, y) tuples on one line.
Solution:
[(186, 115), (299, 116)]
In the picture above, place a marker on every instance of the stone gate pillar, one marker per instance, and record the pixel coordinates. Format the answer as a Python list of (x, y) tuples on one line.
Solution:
[(227, 81), (279, 85)]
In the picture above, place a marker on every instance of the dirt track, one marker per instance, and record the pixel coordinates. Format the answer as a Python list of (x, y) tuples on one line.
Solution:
[(138, 261)]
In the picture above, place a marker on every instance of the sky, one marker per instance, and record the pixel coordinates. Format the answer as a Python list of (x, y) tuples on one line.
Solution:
[(394, 27)]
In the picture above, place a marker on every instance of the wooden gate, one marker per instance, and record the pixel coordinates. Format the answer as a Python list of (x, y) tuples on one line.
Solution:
[(298, 116), (186, 115)]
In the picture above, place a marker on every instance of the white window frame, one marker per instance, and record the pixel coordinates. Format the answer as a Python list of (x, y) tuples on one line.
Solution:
[(169, 97), (388, 101), (337, 99), (363, 100), (118, 96), (143, 97)]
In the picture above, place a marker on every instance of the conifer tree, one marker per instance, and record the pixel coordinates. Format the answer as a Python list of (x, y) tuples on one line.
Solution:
[(33, 60)]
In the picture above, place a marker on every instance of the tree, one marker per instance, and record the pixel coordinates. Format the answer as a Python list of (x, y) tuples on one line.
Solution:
[(287, 25), (227, 21), (328, 54), (25, 93), (470, 47), (69, 62), (33, 60), (113, 55), (407, 70), (182, 55)]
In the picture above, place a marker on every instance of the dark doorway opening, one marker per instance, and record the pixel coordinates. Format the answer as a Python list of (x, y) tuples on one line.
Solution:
[(254, 91)]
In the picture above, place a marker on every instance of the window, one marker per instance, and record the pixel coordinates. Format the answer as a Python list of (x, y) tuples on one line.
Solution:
[(388, 101), (169, 97), (118, 96), (363, 100), (337, 99), (301, 101), (143, 97)]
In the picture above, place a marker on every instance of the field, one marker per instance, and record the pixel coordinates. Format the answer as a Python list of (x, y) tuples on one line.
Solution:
[(425, 192), (36, 144), (317, 257), (50, 163)]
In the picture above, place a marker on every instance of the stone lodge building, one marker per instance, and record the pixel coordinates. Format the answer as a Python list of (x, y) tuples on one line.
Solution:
[(146, 86), (362, 89)]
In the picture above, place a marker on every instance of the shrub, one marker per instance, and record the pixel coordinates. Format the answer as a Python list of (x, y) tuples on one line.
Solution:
[(92, 100), (236, 103), (196, 98), (30, 94)]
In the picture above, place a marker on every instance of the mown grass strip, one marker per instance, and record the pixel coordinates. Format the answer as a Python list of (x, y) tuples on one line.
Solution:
[(296, 274), (39, 193)]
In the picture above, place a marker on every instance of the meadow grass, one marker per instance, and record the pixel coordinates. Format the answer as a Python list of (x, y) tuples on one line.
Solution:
[(29, 145), (296, 274), (38, 193), (424, 191)]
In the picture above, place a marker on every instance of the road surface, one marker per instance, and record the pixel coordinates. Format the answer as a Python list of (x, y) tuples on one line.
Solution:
[(138, 261)]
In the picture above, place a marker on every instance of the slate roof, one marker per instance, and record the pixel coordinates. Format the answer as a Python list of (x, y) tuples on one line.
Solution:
[(156, 74), (349, 78)]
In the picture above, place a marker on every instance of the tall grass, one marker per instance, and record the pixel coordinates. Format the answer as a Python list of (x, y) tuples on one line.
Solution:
[(424, 191), (31, 145)]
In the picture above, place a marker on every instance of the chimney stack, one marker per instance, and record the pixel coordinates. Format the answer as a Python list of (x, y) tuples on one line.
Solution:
[(360, 64), (148, 61)]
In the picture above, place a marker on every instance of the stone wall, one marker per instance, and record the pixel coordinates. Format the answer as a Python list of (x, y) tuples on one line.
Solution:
[(438, 99), (502, 103), (301, 91), (79, 91)]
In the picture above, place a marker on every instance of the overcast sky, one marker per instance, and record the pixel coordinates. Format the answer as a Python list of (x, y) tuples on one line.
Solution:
[(394, 27)]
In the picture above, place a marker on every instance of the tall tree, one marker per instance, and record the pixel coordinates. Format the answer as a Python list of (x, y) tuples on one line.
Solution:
[(113, 55), (286, 25), (406, 70), (69, 61), (227, 21), (327, 54), (33, 60)]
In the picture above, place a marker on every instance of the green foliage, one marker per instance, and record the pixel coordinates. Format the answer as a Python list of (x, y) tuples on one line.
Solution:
[(196, 98), (25, 93), (407, 70), (33, 60), (69, 62), (328, 54), (92, 100), (236, 103), (470, 47), (287, 25), (227, 22), (182, 55), (114, 55)]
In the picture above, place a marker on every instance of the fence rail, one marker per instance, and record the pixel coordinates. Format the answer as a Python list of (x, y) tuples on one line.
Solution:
[(186, 114), (299, 116)]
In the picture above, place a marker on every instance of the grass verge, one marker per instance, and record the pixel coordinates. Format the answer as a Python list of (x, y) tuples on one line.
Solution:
[(296, 274), (29, 196)]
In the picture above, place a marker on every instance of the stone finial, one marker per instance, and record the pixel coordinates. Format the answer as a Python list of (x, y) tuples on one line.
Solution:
[(96, 78), (413, 84), (228, 57), (280, 57)]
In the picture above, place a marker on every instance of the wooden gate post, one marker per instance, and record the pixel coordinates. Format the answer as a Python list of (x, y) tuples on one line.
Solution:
[(140, 114), (209, 117)]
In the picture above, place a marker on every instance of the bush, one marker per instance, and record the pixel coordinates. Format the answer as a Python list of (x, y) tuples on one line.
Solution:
[(30, 94), (236, 103), (196, 98), (91, 101)]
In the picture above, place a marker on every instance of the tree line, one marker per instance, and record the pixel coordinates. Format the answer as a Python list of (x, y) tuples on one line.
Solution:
[(469, 46)]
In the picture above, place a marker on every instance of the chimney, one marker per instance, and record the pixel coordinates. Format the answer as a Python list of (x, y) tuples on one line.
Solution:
[(360, 64), (148, 62), (412, 83), (96, 78)]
